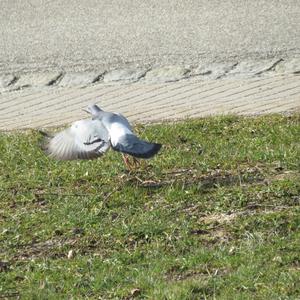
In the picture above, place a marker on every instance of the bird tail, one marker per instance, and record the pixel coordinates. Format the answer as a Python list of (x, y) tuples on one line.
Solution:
[(132, 145)]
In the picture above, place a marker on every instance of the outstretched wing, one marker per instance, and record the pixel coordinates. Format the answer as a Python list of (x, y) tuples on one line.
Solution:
[(85, 139), (131, 144)]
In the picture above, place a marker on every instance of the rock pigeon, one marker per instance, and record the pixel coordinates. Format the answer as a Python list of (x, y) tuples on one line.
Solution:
[(90, 139)]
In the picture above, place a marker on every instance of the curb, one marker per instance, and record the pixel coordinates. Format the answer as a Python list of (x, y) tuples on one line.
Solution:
[(214, 71)]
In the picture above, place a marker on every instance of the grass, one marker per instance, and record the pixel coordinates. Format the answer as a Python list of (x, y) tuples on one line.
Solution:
[(216, 215)]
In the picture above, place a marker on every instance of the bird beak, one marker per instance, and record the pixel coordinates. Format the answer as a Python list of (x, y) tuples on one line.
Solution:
[(85, 110)]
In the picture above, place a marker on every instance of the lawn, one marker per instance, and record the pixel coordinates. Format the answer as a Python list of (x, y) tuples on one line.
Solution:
[(216, 215)]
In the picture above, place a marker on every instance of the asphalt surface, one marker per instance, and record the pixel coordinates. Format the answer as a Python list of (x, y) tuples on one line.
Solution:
[(78, 35)]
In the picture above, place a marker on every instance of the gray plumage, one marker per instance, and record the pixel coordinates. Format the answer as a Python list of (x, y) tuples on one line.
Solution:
[(89, 139), (132, 145)]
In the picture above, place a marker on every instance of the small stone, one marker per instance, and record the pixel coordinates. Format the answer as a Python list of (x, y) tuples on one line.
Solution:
[(167, 74), (4, 266), (200, 150), (249, 68), (124, 75), (213, 71), (70, 254), (114, 216), (182, 139), (289, 66), (277, 259), (78, 79), (231, 250), (78, 231), (135, 292), (58, 232), (6, 80), (42, 285)]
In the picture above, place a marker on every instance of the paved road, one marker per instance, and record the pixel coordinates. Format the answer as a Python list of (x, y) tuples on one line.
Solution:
[(81, 35)]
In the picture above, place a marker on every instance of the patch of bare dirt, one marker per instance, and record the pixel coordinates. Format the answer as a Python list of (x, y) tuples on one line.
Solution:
[(204, 272), (251, 209), (285, 175), (53, 248), (188, 177)]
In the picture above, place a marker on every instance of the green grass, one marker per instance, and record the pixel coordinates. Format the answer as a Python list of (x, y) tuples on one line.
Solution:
[(216, 215)]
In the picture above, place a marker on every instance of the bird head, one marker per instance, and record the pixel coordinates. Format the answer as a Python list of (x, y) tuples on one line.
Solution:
[(93, 109)]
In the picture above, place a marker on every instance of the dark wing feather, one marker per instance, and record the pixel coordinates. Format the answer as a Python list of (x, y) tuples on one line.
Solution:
[(131, 144)]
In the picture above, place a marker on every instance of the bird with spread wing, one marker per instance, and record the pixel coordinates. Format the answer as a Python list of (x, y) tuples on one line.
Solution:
[(90, 139)]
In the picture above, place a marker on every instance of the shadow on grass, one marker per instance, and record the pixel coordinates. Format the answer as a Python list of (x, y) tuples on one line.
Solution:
[(190, 177)]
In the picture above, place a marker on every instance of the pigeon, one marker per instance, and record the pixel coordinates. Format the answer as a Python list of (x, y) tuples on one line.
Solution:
[(91, 138)]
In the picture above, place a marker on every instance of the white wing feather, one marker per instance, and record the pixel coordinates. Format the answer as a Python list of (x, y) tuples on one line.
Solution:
[(85, 139)]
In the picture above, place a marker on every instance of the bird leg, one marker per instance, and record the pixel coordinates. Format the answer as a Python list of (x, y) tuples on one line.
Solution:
[(130, 164), (136, 162), (126, 161)]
